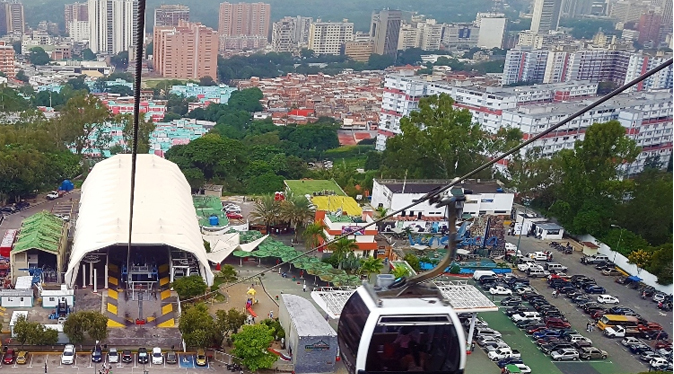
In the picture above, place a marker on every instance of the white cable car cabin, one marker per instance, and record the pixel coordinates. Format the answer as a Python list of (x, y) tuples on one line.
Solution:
[(407, 327), (401, 335)]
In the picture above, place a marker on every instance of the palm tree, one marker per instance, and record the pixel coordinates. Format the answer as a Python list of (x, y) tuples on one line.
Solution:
[(297, 211), (381, 212), (314, 235), (267, 211), (370, 265), (341, 248)]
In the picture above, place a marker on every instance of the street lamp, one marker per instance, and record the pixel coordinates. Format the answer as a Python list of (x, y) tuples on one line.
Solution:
[(615, 254)]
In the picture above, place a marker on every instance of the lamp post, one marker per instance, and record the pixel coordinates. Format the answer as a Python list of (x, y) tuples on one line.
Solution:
[(615, 254)]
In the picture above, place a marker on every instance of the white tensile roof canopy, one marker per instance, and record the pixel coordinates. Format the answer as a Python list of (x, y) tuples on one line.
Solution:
[(163, 210)]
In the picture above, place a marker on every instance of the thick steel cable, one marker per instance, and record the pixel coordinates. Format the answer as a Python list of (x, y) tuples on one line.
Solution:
[(140, 38), (455, 181)]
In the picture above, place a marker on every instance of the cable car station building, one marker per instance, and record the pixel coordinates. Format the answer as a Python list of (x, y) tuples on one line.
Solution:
[(165, 227)]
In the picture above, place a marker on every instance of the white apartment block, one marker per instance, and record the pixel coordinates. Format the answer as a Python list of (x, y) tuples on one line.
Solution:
[(641, 63), (524, 66), (283, 35), (646, 116), (402, 93), (111, 25), (423, 34), (555, 67), (492, 29), (408, 37), (328, 38), (79, 30)]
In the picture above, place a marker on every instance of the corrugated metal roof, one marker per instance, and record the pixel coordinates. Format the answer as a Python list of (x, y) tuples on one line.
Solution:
[(305, 317), (40, 231)]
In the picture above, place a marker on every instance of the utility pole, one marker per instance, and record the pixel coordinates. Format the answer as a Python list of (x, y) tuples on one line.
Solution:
[(615, 252)]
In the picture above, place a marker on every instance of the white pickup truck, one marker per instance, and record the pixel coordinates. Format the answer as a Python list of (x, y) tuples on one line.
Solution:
[(503, 353), (620, 332)]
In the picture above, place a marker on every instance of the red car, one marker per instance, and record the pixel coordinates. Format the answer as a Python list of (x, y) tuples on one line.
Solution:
[(234, 216), (9, 357), (650, 326), (557, 323), (597, 314)]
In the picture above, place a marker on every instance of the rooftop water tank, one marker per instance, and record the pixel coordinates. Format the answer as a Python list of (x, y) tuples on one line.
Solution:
[(214, 220)]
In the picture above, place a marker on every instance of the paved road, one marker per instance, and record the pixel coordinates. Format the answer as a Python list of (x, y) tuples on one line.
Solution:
[(13, 221), (578, 319)]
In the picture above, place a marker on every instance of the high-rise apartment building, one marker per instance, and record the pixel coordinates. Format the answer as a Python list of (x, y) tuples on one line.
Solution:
[(492, 29), (524, 66), (546, 16), (408, 37), (244, 25), (112, 25), (283, 35), (460, 35), (385, 31), (7, 60), (77, 21), (649, 28), (187, 51), (171, 15), (12, 19), (627, 11), (328, 38), (639, 63), (359, 50)]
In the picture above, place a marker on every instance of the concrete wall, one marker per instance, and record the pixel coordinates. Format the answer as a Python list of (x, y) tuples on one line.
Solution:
[(622, 262), (310, 353)]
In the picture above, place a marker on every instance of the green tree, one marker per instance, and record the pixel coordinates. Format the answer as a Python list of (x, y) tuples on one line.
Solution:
[(22, 330), (370, 265), (189, 287), (145, 129), (437, 141), (228, 273), (207, 81), (198, 327), (297, 211), (17, 47), (88, 55), (229, 321), (661, 264), (373, 160), (21, 75), (119, 89), (379, 62), (275, 325), (640, 258), (120, 60), (85, 323), (341, 248), (81, 118), (314, 235), (266, 211), (400, 272), (251, 346), (413, 261), (215, 156), (37, 56)]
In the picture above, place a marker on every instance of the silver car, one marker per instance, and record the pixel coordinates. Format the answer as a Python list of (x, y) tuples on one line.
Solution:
[(113, 356)]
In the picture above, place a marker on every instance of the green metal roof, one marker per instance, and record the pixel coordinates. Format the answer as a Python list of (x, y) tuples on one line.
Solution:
[(207, 206), (41, 231)]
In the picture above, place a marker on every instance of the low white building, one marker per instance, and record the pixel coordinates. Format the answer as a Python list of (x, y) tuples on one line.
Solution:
[(486, 197), (51, 298), (21, 296)]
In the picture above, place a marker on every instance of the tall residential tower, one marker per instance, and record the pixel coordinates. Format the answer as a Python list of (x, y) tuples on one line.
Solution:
[(112, 25)]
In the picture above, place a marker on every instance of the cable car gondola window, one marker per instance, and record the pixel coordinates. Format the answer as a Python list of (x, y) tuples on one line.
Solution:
[(350, 329), (414, 343)]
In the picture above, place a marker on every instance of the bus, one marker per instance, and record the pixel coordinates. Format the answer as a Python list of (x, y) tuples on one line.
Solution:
[(611, 320)]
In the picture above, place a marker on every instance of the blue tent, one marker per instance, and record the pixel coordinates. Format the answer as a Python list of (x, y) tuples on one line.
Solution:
[(67, 185), (634, 278)]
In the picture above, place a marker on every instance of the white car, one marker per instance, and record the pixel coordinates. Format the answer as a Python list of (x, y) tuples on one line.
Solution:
[(523, 290), (630, 340), (500, 290), (487, 332), (607, 299), (659, 363), (566, 354), (53, 195), (157, 356), (113, 356), (68, 355), (538, 256), (524, 369)]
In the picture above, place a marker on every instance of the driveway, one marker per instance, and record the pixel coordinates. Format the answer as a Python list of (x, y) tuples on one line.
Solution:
[(13, 221)]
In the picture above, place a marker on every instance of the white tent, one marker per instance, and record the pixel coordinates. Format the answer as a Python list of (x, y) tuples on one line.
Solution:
[(163, 210), (224, 244)]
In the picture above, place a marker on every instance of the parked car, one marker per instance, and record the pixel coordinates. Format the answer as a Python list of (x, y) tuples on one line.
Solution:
[(171, 358), (509, 361), (500, 290), (487, 331), (610, 272), (53, 195), (511, 301), (113, 356), (648, 356), (96, 354), (201, 357), (607, 299), (232, 215), (658, 297), (557, 323), (68, 355), (127, 356), (535, 327), (630, 340), (660, 363), (550, 347), (484, 340), (143, 356), (157, 356), (595, 289), (592, 353), (546, 333), (9, 357), (517, 309), (566, 354), (22, 357)]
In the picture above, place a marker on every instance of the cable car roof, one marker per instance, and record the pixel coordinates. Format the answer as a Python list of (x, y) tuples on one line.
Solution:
[(463, 297)]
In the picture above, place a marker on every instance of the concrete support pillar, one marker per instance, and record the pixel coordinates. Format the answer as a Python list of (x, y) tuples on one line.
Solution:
[(471, 330), (105, 272), (84, 276), (91, 273), (95, 280)]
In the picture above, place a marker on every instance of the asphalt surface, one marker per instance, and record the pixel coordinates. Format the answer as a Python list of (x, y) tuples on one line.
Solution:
[(13, 221), (624, 362)]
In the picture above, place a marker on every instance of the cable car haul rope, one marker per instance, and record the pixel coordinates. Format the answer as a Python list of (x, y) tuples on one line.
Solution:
[(407, 326)]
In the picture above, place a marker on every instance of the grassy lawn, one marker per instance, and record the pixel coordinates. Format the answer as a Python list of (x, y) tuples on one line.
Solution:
[(304, 187)]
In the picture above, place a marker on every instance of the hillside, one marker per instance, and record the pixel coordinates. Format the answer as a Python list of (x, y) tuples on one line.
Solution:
[(357, 11)]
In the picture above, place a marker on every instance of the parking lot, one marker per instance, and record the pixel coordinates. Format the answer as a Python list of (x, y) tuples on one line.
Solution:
[(620, 360), (83, 364)]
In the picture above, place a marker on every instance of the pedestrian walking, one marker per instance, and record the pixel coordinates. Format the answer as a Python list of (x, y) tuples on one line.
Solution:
[(304, 288), (271, 314), (327, 317), (587, 327), (472, 346)]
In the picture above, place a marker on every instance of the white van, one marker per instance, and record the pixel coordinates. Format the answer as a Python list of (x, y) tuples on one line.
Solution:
[(479, 273), (537, 272), (556, 267)]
